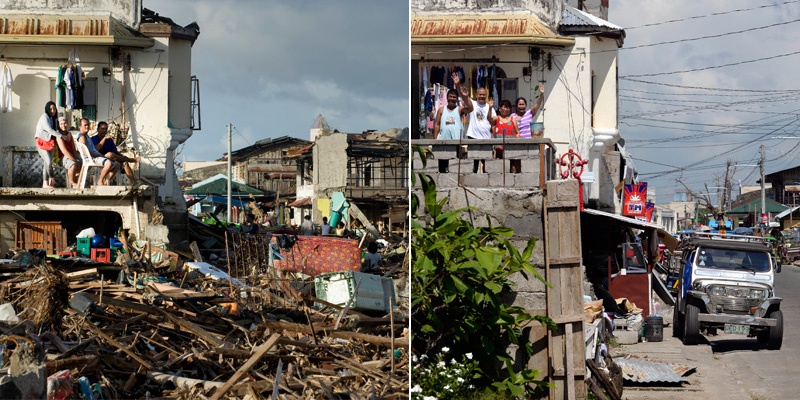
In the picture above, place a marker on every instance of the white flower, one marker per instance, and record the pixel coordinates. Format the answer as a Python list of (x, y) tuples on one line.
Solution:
[(445, 349), (460, 379), (446, 387), (424, 356), (416, 389), (441, 364), (414, 358), (469, 356), (453, 361), (429, 398)]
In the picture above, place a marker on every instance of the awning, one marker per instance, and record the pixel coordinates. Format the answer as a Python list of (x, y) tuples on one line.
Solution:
[(523, 28), (305, 201), (663, 235), (224, 200)]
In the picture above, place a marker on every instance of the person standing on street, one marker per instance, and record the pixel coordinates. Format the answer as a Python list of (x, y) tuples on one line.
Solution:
[(307, 227)]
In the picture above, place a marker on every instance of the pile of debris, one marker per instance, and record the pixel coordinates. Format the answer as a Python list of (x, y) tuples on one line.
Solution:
[(164, 323)]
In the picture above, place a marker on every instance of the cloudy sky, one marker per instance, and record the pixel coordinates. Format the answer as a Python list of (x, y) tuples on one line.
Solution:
[(727, 84), (270, 67)]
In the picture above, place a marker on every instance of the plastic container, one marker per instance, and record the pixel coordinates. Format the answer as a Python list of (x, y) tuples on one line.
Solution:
[(99, 241), (654, 328), (537, 129), (114, 242), (84, 247)]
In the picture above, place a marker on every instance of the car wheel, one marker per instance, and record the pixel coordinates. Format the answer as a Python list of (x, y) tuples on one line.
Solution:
[(677, 323), (691, 329), (776, 332)]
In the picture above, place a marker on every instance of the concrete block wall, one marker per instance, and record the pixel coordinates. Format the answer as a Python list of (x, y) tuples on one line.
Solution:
[(472, 163), (517, 203)]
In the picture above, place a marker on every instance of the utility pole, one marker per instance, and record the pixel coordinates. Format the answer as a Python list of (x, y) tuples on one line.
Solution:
[(230, 220), (763, 189)]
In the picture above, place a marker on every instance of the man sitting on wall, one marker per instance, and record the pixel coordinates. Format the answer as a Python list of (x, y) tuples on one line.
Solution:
[(105, 145)]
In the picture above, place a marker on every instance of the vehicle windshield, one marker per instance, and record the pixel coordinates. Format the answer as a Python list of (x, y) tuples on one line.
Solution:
[(753, 261)]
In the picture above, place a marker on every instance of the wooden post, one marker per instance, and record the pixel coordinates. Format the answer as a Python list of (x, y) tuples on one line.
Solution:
[(565, 298)]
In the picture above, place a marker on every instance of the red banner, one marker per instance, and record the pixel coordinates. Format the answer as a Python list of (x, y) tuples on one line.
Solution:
[(634, 200), (648, 211)]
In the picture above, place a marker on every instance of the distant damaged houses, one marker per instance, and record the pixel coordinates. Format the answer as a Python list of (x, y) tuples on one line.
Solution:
[(364, 175)]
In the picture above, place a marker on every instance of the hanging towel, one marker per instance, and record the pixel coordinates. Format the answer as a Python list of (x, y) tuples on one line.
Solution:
[(6, 84)]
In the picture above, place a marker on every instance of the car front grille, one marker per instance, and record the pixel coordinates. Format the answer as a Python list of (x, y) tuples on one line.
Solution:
[(734, 304)]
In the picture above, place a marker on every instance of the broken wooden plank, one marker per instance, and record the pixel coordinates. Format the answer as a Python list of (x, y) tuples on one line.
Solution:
[(118, 345), (260, 352), (380, 340)]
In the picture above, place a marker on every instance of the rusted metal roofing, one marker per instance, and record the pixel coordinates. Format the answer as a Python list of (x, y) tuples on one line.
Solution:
[(643, 370), (438, 28), (69, 29), (305, 201)]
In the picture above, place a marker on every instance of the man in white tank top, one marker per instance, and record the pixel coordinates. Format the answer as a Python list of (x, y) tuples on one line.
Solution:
[(447, 124)]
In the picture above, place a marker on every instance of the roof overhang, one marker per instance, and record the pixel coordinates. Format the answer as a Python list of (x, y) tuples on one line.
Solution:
[(665, 237), (72, 30), (521, 28)]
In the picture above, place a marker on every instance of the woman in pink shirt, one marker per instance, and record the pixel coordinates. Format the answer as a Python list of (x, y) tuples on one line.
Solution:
[(524, 116)]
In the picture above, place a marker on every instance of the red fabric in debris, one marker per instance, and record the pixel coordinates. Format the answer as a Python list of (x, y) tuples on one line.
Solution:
[(314, 255)]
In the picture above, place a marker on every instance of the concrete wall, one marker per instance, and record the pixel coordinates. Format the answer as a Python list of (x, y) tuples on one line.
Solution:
[(548, 11), (127, 11), (330, 164), (517, 205)]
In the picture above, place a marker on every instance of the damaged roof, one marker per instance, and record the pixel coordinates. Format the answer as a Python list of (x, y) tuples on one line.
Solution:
[(154, 25), (266, 144)]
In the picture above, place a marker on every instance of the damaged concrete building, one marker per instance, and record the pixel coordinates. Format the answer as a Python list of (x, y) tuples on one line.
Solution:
[(368, 170), (136, 74)]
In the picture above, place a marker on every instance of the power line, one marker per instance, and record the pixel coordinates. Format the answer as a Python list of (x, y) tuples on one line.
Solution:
[(712, 67), (709, 15), (711, 36), (708, 88)]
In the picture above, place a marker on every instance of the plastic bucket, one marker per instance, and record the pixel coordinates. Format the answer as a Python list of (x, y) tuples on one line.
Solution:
[(654, 328), (537, 129)]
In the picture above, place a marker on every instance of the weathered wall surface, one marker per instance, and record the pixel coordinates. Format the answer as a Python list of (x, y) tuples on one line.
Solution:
[(518, 204), (330, 164), (127, 11), (548, 11)]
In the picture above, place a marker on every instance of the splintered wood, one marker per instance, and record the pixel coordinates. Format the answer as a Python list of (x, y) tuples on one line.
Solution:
[(150, 332)]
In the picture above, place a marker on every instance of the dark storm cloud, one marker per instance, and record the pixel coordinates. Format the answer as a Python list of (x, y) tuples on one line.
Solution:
[(270, 67)]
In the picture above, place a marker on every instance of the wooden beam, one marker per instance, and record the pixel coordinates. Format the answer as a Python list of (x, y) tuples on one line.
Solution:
[(259, 353), (118, 345)]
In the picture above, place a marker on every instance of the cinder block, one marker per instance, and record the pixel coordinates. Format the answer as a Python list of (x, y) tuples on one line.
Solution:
[(626, 337), (494, 166), (526, 180), (476, 180), (498, 180)]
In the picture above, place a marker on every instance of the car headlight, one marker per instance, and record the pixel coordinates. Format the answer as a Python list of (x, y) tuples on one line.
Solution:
[(716, 290), (757, 294)]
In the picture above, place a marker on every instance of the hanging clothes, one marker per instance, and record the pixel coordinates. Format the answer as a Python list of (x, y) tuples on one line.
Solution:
[(6, 94), (61, 87), (69, 82), (77, 79), (494, 83)]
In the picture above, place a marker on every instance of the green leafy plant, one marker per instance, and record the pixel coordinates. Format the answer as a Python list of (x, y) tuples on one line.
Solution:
[(459, 275)]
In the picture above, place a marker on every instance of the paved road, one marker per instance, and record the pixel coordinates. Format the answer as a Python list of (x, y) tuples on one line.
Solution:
[(728, 366)]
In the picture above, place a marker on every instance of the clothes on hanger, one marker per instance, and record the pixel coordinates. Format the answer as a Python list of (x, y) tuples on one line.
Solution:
[(6, 94)]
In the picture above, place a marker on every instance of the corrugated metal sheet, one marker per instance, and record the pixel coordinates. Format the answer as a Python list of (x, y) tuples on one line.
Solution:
[(644, 370), (574, 17)]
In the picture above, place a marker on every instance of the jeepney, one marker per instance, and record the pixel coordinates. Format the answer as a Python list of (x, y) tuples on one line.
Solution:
[(726, 283)]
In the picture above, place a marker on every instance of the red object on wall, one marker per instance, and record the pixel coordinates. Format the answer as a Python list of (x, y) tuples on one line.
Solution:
[(314, 255)]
